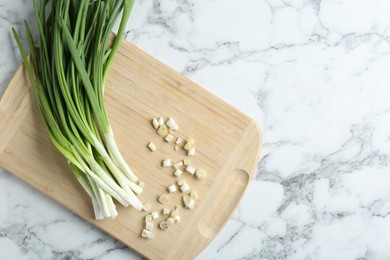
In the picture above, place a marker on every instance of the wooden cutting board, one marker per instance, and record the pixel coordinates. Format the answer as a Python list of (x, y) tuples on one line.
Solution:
[(140, 88)]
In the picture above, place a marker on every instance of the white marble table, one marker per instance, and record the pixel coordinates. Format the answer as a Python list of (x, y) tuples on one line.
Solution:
[(314, 74)]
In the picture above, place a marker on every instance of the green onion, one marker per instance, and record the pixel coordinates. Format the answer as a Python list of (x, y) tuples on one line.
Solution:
[(68, 72)]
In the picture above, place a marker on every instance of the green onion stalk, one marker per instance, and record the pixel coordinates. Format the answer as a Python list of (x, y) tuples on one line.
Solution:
[(68, 70)]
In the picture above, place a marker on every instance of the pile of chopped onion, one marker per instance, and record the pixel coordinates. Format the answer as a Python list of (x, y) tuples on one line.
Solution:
[(166, 130)]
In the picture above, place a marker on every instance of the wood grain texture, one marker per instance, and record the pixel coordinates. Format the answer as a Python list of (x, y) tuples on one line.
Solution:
[(139, 88)]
